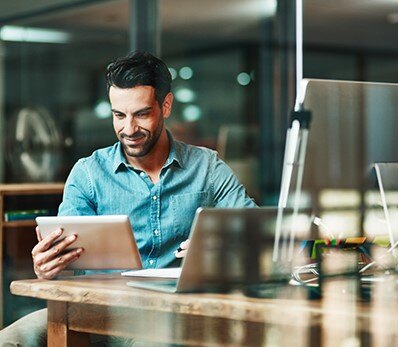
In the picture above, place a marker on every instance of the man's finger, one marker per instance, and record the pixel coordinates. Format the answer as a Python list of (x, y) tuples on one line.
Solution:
[(61, 261), (182, 250), (56, 270), (184, 244), (46, 256), (46, 243), (181, 254), (38, 235)]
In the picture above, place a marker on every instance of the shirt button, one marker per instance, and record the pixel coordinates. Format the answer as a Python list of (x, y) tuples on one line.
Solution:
[(151, 261), (142, 174), (154, 197), (156, 232)]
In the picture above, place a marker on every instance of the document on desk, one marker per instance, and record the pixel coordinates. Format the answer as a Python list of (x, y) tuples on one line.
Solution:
[(172, 272)]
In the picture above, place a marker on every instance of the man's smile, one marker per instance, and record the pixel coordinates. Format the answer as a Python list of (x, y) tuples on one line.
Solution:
[(133, 140)]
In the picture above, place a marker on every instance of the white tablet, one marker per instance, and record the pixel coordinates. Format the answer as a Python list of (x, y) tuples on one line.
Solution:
[(108, 241)]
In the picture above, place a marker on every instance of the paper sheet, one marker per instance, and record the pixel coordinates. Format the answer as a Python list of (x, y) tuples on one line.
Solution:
[(173, 272)]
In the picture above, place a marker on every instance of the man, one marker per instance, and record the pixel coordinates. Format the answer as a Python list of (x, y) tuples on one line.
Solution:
[(156, 180)]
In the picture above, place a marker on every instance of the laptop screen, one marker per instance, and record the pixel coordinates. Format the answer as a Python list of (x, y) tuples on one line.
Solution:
[(235, 246)]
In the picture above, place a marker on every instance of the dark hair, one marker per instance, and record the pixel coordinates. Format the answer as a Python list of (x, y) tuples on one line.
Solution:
[(140, 69)]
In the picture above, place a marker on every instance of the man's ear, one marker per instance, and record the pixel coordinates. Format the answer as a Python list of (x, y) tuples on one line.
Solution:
[(167, 105)]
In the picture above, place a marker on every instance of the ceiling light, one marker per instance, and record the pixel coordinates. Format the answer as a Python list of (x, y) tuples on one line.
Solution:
[(265, 8), (25, 34)]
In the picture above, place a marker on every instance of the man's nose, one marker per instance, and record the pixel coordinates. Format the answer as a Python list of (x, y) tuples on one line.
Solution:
[(131, 125)]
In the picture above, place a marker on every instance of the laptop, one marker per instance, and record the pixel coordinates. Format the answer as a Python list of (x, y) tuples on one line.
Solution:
[(229, 248)]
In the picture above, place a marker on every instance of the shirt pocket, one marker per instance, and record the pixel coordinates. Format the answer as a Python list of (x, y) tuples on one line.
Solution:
[(184, 207)]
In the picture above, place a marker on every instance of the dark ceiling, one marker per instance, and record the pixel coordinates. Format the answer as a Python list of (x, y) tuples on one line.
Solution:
[(367, 24)]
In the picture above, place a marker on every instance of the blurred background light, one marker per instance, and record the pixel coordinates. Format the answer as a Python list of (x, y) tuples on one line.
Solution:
[(267, 8), (186, 73), (185, 95), (173, 73), (243, 78), (192, 113), (26, 34), (103, 109)]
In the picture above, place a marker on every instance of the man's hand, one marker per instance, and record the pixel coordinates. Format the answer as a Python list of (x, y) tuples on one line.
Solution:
[(182, 250), (48, 261)]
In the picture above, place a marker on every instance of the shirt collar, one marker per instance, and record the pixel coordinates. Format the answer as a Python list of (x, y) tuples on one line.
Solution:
[(118, 157), (175, 155)]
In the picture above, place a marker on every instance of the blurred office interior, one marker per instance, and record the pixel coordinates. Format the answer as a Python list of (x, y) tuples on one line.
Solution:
[(232, 61), (233, 65)]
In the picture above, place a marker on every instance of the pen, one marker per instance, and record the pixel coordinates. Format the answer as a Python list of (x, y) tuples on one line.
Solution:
[(178, 250)]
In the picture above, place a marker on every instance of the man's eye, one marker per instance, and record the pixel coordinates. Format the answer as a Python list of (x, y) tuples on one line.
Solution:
[(118, 115)]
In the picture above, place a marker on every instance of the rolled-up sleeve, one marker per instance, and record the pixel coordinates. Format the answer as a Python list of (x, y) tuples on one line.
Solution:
[(227, 190), (78, 198)]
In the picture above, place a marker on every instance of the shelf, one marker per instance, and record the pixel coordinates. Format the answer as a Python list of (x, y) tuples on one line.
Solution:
[(19, 223), (17, 237), (31, 189)]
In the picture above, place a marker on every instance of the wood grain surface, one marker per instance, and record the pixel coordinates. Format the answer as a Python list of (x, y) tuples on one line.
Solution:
[(112, 290), (104, 304)]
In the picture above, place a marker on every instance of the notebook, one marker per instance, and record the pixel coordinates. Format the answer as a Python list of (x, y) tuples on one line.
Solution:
[(229, 248)]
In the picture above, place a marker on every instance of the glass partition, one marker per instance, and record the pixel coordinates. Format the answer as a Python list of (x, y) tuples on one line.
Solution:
[(235, 72), (233, 79), (222, 63), (56, 108)]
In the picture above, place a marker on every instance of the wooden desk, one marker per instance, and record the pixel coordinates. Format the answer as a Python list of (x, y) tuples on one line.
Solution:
[(106, 305)]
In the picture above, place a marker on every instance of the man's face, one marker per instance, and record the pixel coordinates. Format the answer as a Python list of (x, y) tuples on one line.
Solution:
[(138, 119)]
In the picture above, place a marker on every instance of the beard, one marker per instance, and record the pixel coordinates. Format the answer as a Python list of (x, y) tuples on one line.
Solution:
[(147, 141)]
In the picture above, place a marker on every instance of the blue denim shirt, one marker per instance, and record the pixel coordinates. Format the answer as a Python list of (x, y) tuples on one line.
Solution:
[(161, 214)]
